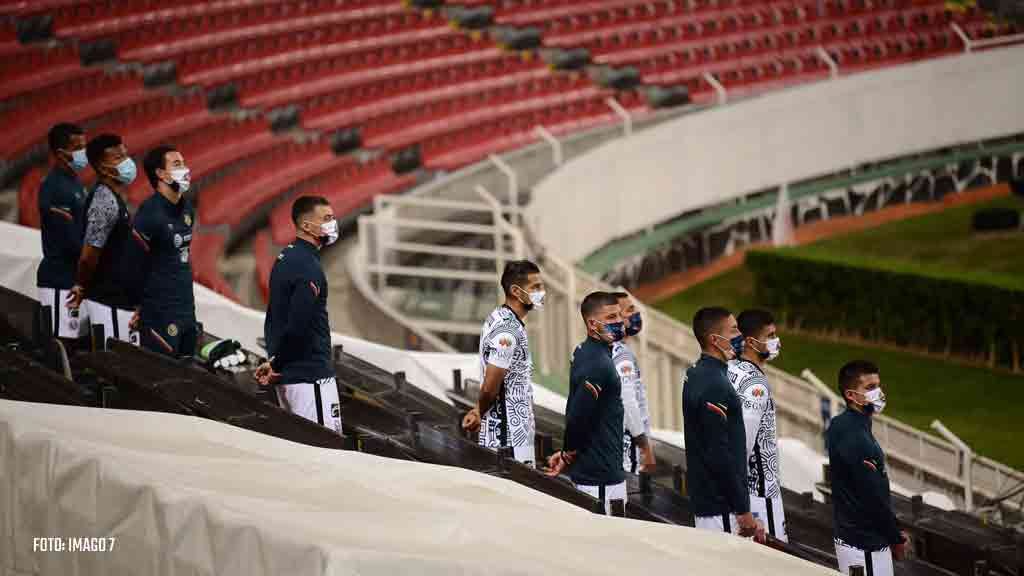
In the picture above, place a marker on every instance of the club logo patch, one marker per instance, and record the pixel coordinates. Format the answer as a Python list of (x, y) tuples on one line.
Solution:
[(73, 324), (188, 219), (178, 240), (335, 410), (133, 338), (172, 329)]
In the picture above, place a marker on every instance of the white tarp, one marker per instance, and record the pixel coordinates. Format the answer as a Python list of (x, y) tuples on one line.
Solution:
[(182, 495)]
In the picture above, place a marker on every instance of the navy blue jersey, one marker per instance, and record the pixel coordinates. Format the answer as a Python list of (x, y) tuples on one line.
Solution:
[(593, 416), (716, 441), (296, 329), (62, 219), (163, 230), (861, 502)]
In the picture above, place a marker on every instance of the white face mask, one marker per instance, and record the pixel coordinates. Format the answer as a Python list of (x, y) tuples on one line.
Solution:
[(876, 399), (182, 177), (330, 230), (773, 346), (536, 298)]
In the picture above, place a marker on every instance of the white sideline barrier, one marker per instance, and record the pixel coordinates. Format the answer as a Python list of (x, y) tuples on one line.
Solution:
[(182, 495), (786, 136)]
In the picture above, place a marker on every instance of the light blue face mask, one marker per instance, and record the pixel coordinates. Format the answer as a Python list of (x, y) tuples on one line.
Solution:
[(79, 160), (126, 171)]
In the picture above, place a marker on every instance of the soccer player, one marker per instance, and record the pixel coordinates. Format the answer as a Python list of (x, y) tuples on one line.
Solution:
[(107, 279), (637, 448), (866, 532), (296, 329), (163, 229), (716, 463), (761, 345), (504, 412), (62, 219), (592, 447)]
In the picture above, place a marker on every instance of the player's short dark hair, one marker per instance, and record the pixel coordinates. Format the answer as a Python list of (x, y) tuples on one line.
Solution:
[(516, 273), (706, 320), (156, 159), (620, 295), (304, 205), (59, 137), (752, 322), (595, 301), (97, 148), (850, 373)]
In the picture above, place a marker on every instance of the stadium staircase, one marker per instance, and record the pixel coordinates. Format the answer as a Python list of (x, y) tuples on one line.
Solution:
[(352, 99)]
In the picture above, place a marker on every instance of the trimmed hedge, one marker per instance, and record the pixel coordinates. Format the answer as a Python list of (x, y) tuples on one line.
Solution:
[(980, 316)]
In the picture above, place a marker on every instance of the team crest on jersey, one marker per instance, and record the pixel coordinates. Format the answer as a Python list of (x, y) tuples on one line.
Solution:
[(172, 329), (188, 219), (73, 324)]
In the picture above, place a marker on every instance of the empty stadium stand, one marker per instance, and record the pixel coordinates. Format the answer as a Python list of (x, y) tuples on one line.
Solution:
[(262, 95)]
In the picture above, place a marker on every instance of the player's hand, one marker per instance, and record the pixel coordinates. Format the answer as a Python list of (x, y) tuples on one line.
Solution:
[(748, 526), (761, 536), (899, 551), (134, 322), (556, 464), (649, 461), (471, 421), (75, 297), (265, 374)]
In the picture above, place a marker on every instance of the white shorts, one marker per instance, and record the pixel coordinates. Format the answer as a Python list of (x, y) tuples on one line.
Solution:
[(302, 399), (877, 563), (66, 323), (611, 492), (721, 523), (103, 315), (769, 512)]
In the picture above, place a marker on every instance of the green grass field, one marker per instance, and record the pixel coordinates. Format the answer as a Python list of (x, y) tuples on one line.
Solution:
[(981, 406)]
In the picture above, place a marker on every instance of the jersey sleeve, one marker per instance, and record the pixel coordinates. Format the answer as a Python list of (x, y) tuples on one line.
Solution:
[(722, 420), (499, 347), (872, 485), (101, 218), (302, 302), (57, 214), (633, 416)]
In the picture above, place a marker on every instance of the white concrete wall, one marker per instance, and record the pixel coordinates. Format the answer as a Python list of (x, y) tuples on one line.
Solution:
[(702, 159)]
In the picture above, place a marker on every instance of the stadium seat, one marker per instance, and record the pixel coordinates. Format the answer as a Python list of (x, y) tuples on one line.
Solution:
[(348, 187), (285, 86), (259, 178), (37, 68), (75, 100), (207, 249)]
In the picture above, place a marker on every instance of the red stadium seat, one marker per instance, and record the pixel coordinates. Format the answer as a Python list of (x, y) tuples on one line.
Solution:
[(348, 187), (207, 249), (75, 100), (260, 179)]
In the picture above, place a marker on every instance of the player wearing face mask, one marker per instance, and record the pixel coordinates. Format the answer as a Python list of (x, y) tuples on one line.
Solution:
[(716, 463), (592, 447), (637, 449), (108, 278), (746, 373), (163, 230), (866, 531), (61, 220), (503, 416), (296, 329)]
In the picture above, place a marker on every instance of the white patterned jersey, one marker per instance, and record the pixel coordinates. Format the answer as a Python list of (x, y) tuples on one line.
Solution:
[(636, 419), (759, 420), (504, 344)]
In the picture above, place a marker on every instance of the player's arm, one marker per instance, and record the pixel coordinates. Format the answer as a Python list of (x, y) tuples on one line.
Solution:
[(579, 415), (498, 349), (871, 486), (633, 416), (57, 215), (717, 416), (301, 307), (100, 221)]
